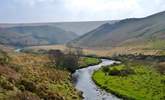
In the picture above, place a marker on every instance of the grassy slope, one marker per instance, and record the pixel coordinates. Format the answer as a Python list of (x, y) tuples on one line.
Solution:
[(145, 84), (35, 35), (36, 77), (47, 47), (154, 47), (33, 77), (131, 29), (157, 44)]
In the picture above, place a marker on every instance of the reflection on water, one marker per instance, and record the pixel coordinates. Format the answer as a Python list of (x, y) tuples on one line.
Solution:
[(84, 83)]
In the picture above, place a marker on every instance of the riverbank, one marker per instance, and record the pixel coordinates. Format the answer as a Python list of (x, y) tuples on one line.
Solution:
[(88, 61), (83, 82), (132, 80), (30, 76)]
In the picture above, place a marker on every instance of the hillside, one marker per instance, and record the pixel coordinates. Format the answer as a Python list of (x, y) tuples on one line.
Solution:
[(125, 32), (81, 27), (76, 27), (34, 35)]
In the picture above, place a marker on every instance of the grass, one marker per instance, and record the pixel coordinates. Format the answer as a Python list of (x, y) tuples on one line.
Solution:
[(28, 75), (145, 84), (158, 44), (32, 76), (47, 47), (155, 47), (87, 61)]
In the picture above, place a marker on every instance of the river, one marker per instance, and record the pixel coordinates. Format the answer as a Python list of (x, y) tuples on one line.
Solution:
[(18, 50), (83, 82)]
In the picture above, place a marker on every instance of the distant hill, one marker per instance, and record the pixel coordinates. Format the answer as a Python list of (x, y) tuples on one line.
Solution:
[(128, 31), (77, 27), (31, 34), (81, 27), (34, 35)]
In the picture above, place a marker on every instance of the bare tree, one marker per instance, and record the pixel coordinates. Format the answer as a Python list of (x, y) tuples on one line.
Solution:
[(68, 61), (56, 56)]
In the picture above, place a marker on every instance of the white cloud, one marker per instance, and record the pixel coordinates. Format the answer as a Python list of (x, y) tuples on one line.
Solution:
[(113, 9), (34, 2), (69, 10)]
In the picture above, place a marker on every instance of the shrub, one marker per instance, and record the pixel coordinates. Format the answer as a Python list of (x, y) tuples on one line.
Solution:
[(114, 71), (28, 85), (52, 96), (160, 68), (65, 61), (56, 56), (106, 70), (16, 67), (25, 96), (122, 72), (9, 73), (4, 58), (43, 92), (126, 72), (70, 62), (5, 84)]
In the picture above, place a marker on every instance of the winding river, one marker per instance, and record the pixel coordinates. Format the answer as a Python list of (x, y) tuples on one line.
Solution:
[(84, 83)]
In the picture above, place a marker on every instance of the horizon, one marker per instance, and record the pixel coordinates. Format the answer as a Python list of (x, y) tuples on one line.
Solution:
[(78, 21), (43, 11)]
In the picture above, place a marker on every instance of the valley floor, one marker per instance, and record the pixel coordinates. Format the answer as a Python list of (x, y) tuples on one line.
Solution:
[(156, 47), (31, 75), (133, 80)]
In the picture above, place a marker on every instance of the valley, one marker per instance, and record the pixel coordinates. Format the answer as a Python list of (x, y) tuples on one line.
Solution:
[(30, 75), (77, 60)]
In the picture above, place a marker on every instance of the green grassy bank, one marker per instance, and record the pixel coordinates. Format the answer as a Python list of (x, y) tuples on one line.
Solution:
[(134, 81), (88, 61)]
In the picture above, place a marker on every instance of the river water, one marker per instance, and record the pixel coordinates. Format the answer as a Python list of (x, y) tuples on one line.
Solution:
[(18, 50), (84, 83)]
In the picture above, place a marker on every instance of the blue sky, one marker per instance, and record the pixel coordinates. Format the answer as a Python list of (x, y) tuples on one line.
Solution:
[(19, 11)]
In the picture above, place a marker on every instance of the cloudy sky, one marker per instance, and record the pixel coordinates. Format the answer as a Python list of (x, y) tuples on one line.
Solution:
[(76, 10)]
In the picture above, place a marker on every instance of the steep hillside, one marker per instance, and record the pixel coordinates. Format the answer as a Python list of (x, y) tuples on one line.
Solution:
[(81, 27), (128, 31), (34, 35)]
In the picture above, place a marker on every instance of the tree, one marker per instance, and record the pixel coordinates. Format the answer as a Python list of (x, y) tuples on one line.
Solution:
[(67, 61), (70, 62), (74, 51), (56, 56), (79, 51)]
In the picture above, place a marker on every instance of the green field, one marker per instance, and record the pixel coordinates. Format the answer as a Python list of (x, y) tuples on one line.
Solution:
[(87, 61), (132, 81)]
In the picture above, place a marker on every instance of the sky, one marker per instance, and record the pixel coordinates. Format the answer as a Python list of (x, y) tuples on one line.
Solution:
[(27, 11)]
